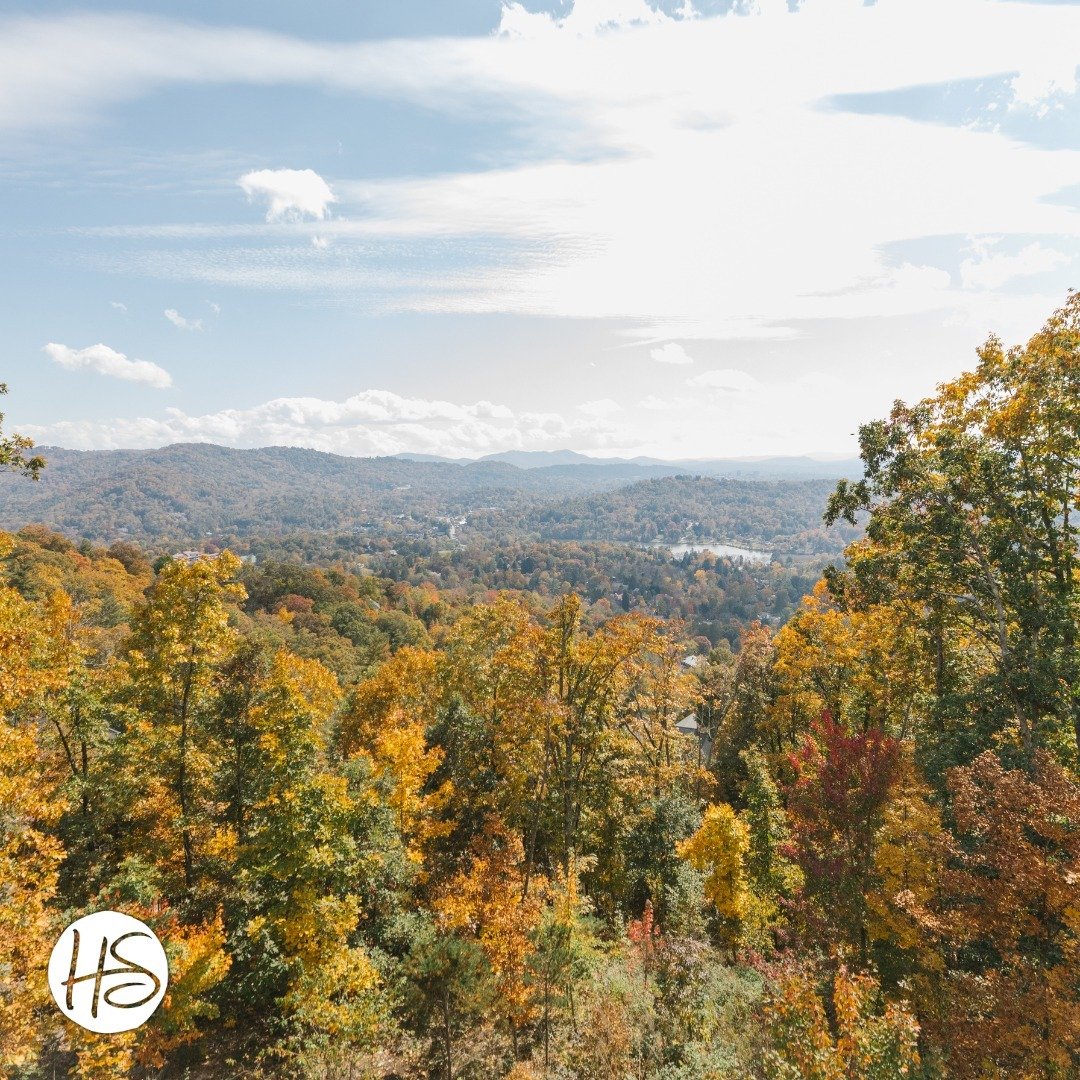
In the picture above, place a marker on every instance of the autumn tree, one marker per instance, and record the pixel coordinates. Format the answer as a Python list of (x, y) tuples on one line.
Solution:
[(295, 916), (719, 848), (837, 794), (868, 1039), (1010, 921), (972, 496), (487, 902), (863, 663), (179, 638), (911, 850), (587, 677), (33, 665)]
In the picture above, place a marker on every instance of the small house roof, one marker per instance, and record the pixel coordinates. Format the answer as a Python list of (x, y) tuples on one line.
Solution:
[(687, 725)]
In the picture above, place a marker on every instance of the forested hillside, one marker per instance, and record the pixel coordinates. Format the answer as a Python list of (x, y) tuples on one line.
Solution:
[(714, 599), (390, 823), (180, 495)]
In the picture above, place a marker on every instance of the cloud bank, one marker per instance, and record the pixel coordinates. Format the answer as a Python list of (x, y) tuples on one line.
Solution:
[(373, 422)]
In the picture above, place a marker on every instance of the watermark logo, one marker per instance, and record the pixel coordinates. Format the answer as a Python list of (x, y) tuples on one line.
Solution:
[(108, 972)]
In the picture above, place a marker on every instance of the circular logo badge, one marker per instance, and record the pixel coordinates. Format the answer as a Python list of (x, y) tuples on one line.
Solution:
[(108, 972)]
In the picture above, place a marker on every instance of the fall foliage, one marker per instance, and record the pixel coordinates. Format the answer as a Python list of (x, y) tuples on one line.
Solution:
[(390, 829)]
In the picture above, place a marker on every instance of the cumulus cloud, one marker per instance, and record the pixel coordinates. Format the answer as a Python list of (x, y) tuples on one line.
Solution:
[(290, 194), (118, 305), (988, 269), (769, 415), (106, 361), (180, 322), (671, 353)]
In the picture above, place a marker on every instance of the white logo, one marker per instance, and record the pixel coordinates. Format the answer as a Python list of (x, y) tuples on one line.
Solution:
[(108, 972)]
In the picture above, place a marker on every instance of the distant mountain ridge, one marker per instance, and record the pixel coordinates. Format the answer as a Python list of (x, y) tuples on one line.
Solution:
[(792, 467), (190, 492)]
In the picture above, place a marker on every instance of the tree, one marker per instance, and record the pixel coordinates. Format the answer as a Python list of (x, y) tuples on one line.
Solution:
[(450, 986), (294, 920), (13, 451), (488, 902), (972, 497), (720, 848), (910, 852), (586, 679), (197, 964), (179, 638), (864, 663), (839, 788), (774, 880), (1009, 921), (870, 1043), (32, 665), (737, 693)]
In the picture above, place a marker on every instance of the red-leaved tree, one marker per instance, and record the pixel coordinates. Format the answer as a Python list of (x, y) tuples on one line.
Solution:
[(839, 787)]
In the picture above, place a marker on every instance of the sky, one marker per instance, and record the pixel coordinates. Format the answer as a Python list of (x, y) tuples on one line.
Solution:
[(689, 228)]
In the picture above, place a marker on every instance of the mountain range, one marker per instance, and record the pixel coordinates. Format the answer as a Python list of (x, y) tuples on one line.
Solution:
[(778, 468), (189, 492)]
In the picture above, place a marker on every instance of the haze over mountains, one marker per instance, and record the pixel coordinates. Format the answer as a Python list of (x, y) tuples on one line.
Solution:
[(186, 492), (803, 466)]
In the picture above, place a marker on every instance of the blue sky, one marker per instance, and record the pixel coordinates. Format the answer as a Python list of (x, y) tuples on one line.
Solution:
[(461, 226)]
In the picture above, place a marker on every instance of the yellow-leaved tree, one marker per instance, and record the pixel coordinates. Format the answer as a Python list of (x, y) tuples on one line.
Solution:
[(298, 863), (488, 901), (179, 639), (387, 721), (719, 848), (33, 664)]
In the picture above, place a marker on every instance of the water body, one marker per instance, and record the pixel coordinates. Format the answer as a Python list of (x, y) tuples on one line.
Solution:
[(722, 550)]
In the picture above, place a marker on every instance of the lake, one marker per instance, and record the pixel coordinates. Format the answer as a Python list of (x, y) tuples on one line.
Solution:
[(722, 550)]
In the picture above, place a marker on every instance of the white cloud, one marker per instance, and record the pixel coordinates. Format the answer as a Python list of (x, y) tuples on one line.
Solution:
[(728, 380), (106, 361), (180, 322), (118, 305), (214, 306), (65, 69), (991, 270), (672, 178), (600, 408), (290, 194), (320, 242), (371, 422), (671, 353), (584, 19)]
